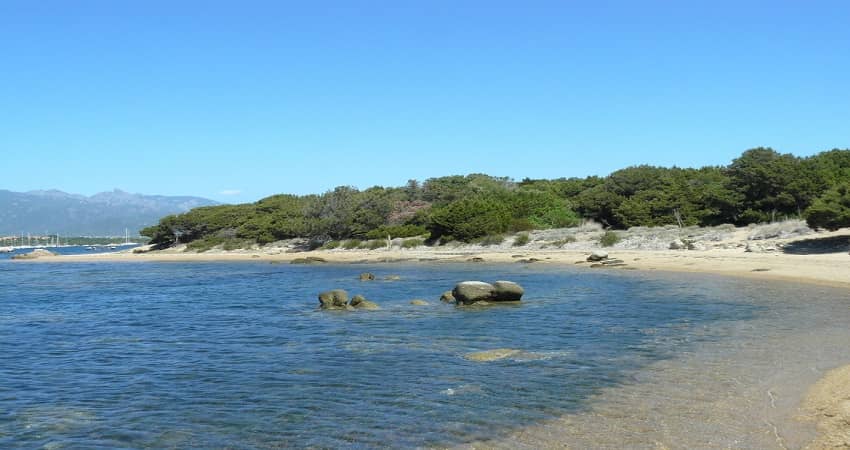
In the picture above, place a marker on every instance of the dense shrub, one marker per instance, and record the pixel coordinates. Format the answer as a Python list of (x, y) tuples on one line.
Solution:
[(831, 210), (609, 238), (396, 231), (761, 185)]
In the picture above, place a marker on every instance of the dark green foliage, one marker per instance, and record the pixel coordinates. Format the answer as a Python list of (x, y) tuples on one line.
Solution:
[(759, 186), (832, 209), (396, 231), (471, 217), (609, 238)]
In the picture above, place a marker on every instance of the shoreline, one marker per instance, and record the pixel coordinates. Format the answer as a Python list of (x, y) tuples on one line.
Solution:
[(826, 399), (826, 269)]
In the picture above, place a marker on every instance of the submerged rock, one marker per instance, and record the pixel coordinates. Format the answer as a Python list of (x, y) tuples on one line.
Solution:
[(491, 355), (335, 299), (447, 297), (308, 260), (366, 276), (418, 302), (392, 277)]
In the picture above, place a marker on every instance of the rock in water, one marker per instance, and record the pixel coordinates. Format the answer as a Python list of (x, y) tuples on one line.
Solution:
[(360, 302), (468, 292), (419, 302), (598, 255), (335, 299), (366, 276), (447, 297), (507, 291), (678, 244)]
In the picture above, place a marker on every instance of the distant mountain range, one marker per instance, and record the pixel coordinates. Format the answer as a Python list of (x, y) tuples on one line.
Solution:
[(103, 214)]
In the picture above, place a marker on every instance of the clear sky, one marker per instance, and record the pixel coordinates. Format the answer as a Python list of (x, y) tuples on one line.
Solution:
[(241, 99)]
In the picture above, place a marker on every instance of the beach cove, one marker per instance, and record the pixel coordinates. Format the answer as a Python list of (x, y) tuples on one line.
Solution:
[(763, 382)]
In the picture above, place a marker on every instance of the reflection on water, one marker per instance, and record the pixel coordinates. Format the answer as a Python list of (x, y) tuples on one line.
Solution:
[(217, 355)]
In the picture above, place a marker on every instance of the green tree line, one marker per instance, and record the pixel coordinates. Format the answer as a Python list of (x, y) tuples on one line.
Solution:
[(761, 185)]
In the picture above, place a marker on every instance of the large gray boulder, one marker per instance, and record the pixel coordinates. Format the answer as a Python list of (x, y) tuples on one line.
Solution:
[(598, 255), (335, 299), (468, 292), (507, 291)]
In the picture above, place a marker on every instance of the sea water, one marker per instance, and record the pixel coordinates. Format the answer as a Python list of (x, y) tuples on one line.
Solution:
[(212, 355)]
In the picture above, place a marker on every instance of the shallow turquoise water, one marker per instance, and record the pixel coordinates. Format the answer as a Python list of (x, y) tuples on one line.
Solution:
[(214, 355)]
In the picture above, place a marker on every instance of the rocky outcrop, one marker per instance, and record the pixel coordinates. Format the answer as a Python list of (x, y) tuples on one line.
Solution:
[(37, 253), (338, 299), (308, 260), (447, 297), (360, 302), (335, 299), (366, 276), (469, 292)]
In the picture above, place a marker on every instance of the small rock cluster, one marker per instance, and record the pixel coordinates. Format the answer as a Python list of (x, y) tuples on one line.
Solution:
[(601, 259), (464, 293), (338, 299)]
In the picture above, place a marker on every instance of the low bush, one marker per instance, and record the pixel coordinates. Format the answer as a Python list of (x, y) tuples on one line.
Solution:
[(609, 238), (521, 239), (330, 245), (494, 239), (374, 244), (412, 243), (351, 244)]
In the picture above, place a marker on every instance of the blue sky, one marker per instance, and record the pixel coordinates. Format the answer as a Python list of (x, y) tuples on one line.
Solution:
[(239, 100)]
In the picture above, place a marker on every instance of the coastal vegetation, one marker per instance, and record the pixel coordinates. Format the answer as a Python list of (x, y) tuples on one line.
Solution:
[(759, 186)]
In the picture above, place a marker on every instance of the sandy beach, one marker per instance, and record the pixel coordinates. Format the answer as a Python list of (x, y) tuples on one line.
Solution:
[(824, 267), (826, 405)]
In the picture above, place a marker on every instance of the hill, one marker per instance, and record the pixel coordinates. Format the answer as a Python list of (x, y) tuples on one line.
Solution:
[(102, 214)]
